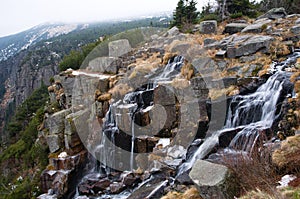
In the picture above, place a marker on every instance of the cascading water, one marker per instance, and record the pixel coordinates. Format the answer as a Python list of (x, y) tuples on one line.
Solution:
[(253, 113), (134, 102)]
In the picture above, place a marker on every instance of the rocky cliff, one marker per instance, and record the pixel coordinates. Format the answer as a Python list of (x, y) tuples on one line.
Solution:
[(144, 114)]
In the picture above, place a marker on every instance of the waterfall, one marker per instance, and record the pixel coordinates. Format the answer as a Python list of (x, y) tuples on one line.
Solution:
[(253, 113)]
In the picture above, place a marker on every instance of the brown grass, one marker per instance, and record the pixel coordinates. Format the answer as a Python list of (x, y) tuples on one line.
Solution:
[(288, 155), (191, 193), (255, 172), (120, 90)]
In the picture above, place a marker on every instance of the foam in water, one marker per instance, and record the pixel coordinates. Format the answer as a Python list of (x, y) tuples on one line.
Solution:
[(254, 113)]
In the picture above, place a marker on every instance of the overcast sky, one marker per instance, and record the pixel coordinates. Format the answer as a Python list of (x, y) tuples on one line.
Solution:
[(19, 15)]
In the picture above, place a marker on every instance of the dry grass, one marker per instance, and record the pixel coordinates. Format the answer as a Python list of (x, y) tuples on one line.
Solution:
[(258, 194), (191, 193), (255, 172), (216, 93), (120, 90), (288, 155), (187, 71), (295, 76)]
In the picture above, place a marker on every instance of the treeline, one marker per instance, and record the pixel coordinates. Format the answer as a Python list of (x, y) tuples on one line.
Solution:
[(186, 14)]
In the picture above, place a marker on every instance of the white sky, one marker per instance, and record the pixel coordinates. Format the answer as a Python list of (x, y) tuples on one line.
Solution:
[(19, 15)]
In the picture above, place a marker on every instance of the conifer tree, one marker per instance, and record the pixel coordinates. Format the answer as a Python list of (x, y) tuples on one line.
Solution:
[(185, 13)]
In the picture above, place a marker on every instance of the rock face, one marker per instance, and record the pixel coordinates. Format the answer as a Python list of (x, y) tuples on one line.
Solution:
[(232, 28), (274, 13), (257, 27), (247, 45), (119, 48), (208, 27), (108, 65), (213, 180)]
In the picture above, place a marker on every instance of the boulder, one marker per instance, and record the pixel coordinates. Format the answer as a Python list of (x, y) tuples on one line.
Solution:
[(213, 180), (116, 188), (275, 13), (232, 28), (101, 185), (119, 48), (257, 27), (173, 31), (109, 65), (248, 44), (295, 29), (208, 27)]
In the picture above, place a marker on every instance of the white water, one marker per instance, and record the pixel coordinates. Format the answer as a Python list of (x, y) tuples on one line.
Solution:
[(254, 113)]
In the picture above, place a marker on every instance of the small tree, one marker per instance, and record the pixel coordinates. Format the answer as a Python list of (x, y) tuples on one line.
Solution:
[(185, 14)]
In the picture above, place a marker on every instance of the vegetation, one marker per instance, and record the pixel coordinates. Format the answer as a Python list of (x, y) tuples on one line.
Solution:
[(291, 6), (22, 161), (185, 14)]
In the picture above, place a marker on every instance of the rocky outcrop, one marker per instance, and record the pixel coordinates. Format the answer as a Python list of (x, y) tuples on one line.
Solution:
[(208, 27), (275, 13), (257, 27), (213, 180), (233, 28)]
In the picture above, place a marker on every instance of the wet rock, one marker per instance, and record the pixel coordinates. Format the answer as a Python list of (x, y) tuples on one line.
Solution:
[(208, 27), (164, 95), (130, 179), (233, 28), (297, 21), (213, 180), (101, 185), (116, 188), (150, 191), (257, 26), (176, 152), (275, 13), (145, 144), (47, 196), (124, 117), (119, 48)]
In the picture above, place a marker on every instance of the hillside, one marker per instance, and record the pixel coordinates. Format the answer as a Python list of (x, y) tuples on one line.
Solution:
[(27, 68), (157, 113)]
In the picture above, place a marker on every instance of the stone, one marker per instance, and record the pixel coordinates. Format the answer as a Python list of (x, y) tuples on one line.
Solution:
[(176, 152), (295, 29), (173, 31), (257, 26), (119, 48), (233, 28), (208, 27), (54, 142), (104, 97), (221, 54), (101, 185), (108, 65), (47, 196), (213, 180), (297, 21), (130, 179), (208, 41), (275, 13), (248, 44), (55, 123), (164, 95), (117, 187)]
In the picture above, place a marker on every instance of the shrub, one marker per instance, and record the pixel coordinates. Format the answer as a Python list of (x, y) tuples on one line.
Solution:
[(236, 15)]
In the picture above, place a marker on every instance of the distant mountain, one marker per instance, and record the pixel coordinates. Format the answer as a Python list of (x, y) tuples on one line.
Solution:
[(11, 45)]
